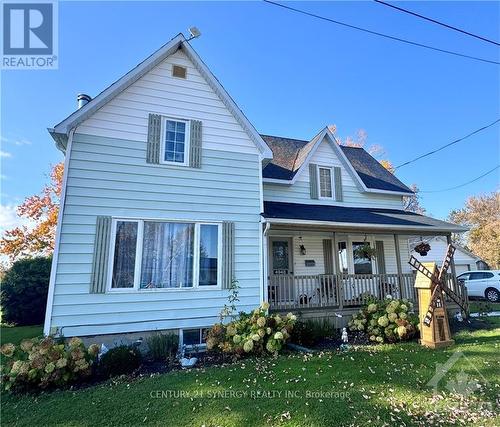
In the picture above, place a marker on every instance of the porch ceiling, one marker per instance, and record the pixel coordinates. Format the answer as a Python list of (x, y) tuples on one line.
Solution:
[(342, 217)]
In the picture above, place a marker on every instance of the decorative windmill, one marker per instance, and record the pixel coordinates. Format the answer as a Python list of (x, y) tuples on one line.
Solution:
[(431, 284)]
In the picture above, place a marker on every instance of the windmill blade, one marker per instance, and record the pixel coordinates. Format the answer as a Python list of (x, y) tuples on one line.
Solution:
[(450, 251), (436, 294), (454, 297), (417, 265)]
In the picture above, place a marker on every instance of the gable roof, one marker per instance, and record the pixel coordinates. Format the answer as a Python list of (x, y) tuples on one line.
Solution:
[(61, 131), (371, 172), (290, 155)]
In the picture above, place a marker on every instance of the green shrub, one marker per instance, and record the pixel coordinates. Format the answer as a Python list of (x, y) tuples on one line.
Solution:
[(163, 347), (309, 332), (43, 362), (24, 291), (389, 320), (120, 360), (257, 333)]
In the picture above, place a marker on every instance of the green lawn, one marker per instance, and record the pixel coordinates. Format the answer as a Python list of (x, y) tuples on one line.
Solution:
[(378, 385), (15, 334)]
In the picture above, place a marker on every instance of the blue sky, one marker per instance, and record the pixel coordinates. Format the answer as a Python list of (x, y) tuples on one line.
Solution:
[(291, 75)]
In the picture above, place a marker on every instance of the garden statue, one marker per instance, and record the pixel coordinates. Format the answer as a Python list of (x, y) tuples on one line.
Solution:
[(432, 285), (345, 338), (186, 362)]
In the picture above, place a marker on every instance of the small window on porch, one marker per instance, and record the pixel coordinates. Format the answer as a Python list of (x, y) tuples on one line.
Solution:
[(343, 257), (361, 265)]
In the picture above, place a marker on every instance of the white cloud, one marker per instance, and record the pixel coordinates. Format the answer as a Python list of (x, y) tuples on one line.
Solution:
[(9, 218), (5, 154), (16, 141)]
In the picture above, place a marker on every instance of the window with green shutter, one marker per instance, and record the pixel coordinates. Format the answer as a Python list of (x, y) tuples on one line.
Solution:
[(174, 141), (101, 253)]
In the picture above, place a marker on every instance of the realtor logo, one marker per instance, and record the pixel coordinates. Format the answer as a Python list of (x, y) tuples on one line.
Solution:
[(29, 36)]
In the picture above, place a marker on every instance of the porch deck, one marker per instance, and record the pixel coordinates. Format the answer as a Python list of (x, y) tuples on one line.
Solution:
[(343, 291)]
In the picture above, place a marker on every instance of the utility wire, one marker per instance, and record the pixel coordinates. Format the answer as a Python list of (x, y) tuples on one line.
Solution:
[(464, 184), (323, 18), (447, 145), (437, 22)]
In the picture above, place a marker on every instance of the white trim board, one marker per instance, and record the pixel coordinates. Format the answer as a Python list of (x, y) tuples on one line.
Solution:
[(61, 131), (368, 226)]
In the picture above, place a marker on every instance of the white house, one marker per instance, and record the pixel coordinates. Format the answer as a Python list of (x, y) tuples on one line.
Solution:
[(170, 195), (464, 259)]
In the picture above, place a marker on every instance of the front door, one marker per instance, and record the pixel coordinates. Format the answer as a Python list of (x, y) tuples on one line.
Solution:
[(281, 281), (280, 256)]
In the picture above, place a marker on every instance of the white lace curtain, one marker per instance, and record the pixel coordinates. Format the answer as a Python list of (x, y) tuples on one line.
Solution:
[(167, 255)]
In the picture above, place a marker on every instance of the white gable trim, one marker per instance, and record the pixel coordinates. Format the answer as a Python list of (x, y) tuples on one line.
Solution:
[(327, 134), (60, 132)]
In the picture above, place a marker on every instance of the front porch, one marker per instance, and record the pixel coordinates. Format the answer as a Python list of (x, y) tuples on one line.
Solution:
[(339, 280)]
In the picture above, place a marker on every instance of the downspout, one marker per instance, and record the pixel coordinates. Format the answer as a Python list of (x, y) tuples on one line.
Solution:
[(265, 261), (55, 255)]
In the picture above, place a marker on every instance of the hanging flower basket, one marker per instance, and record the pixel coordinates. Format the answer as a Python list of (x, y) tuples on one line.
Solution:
[(365, 251), (422, 248)]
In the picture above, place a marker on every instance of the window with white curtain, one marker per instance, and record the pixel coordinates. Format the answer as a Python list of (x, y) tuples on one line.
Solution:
[(124, 254), (167, 255), (151, 255), (325, 183)]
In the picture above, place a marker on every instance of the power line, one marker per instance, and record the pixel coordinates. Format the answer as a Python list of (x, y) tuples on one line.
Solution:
[(323, 18), (447, 145), (464, 184), (437, 22)]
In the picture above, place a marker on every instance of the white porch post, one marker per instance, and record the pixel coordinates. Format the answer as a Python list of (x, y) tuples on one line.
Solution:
[(452, 265), (265, 262), (398, 264), (335, 251), (336, 267)]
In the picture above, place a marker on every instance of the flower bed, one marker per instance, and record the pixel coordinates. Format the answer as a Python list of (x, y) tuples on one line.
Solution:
[(41, 363), (389, 320), (255, 333)]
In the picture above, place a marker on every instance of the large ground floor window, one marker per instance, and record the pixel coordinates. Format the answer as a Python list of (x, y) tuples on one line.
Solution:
[(153, 254)]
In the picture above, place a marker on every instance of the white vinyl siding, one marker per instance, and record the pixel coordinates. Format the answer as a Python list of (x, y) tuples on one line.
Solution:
[(463, 261), (313, 243), (299, 192), (108, 175)]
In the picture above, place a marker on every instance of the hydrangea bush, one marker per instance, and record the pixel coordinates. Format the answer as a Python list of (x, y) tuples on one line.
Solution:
[(258, 332), (44, 362), (389, 320)]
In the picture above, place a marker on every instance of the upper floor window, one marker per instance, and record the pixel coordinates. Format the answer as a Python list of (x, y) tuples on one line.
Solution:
[(175, 141), (325, 183)]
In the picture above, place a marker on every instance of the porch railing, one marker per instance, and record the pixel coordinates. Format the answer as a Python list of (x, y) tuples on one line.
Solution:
[(288, 291)]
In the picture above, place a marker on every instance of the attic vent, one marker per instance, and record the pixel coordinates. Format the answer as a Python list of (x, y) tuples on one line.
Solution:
[(178, 71)]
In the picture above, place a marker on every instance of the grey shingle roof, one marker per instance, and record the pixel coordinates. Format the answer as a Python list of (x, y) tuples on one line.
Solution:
[(356, 216), (289, 154)]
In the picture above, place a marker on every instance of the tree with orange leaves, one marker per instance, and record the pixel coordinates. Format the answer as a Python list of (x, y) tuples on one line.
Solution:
[(42, 210)]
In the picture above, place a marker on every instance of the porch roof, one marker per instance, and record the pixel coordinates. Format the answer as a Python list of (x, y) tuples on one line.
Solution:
[(350, 217)]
